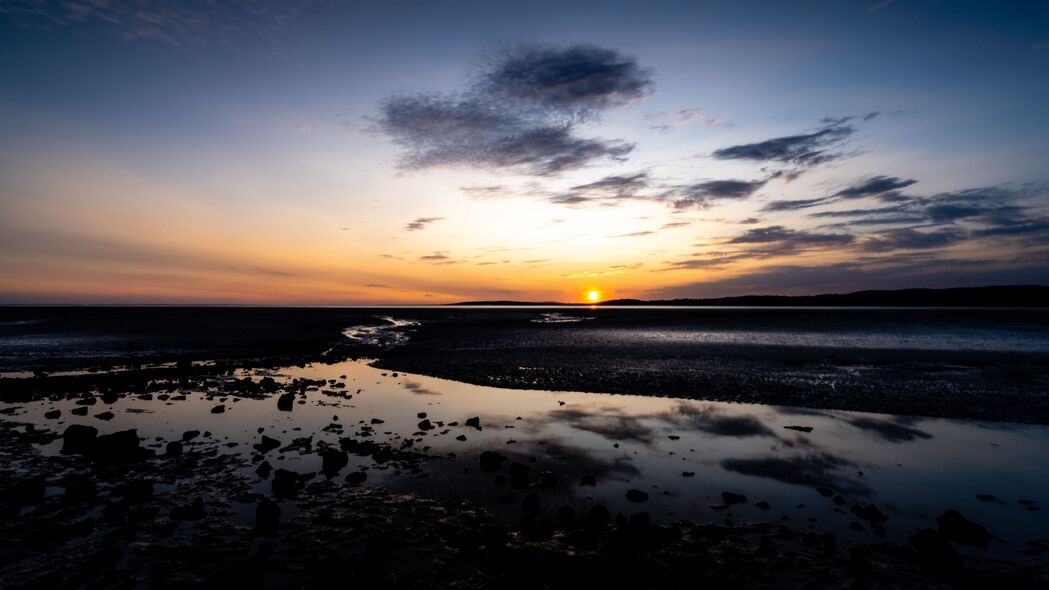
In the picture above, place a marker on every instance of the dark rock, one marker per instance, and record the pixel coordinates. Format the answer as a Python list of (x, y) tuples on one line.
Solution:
[(78, 411), (934, 551), (267, 444), (490, 461), (566, 516), (267, 516), (636, 495), (530, 505), (825, 492), (731, 498), (548, 480), (286, 483), (688, 474), (173, 449), (264, 469), (474, 422), (986, 497), (356, 478), (118, 447), (461, 437), (956, 527), (425, 425), (286, 402), (83, 490), (190, 434), (137, 490), (766, 548), (519, 475), (421, 415), (332, 461), (53, 414), (107, 416), (799, 428), (219, 409), (24, 492), (78, 439), (109, 397), (587, 480), (763, 505)]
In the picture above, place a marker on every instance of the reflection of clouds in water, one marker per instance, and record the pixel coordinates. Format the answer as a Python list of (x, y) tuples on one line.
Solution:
[(574, 460), (609, 423), (713, 420), (815, 470), (893, 430), (418, 388)]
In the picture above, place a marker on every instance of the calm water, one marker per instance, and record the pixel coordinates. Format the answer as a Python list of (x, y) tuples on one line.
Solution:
[(912, 469)]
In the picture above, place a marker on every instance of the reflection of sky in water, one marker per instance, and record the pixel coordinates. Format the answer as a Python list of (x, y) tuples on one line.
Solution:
[(913, 469)]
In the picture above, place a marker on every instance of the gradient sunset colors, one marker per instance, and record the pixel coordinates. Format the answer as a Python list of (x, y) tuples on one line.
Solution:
[(431, 152)]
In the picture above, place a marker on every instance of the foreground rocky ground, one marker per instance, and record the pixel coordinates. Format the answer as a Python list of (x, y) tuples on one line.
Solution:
[(119, 511)]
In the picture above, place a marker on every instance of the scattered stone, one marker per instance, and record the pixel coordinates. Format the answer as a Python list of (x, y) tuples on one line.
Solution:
[(81, 411), (490, 461), (956, 527), (53, 414), (461, 437), (425, 425), (356, 478), (267, 444), (285, 402), (799, 428), (173, 449), (731, 498), (219, 409), (636, 495), (332, 461), (78, 439), (688, 474), (474, 422), (934, 551), (190, 434), (107, 416), (763, 505)]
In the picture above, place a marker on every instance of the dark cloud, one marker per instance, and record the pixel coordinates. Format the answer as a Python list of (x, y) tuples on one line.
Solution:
[(421, 223), (609, 424), (438, 258), (636, 234), (877, 186), (703, 194), (803, 151), (778, 233), (579, 79), (523, 114), (776, 206), (911, 239)]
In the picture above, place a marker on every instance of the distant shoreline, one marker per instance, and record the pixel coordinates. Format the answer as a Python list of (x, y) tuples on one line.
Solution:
[(991, 296)]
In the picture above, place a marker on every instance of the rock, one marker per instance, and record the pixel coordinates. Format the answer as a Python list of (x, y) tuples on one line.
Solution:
[(332, 461), (173, 449), (356, 478), (378, 421), (530, 506), (956, 527), (24, 492), (425, 425), (731, 498), (78, 439), (83, 490), (267, 444), (566, 516), (587, 480), (286, 402), (81, 411), (825, 492), (636, 495), (219, 409), (286, 483), (461, 438), (421, 415), (986, 497), (934, 551), (490, 461), (107, 416), (688, 474), (267, 516), (53, 414), (474, 422), (264, 469), (137, 490), (763, 505), (190, 434), (109, 397), (118, 447), (799, 428), (519, 475)]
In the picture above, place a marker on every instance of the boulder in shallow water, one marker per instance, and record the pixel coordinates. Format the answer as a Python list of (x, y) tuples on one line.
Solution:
[(956, 527), (286, 402), (474, 422), (78, 439), (490, 461), (731, 498), (267, 516), (333, 460), (267, 444), (636, 495)]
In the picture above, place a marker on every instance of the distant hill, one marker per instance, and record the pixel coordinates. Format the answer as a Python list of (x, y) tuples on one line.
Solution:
[(994, 296)]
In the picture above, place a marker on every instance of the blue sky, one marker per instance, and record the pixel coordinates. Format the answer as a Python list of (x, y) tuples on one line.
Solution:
[(365, 152)]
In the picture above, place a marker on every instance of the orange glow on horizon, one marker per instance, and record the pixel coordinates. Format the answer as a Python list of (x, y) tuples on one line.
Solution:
[(593, 296)]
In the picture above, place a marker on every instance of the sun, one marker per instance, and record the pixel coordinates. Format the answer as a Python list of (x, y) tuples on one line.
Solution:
[(593, 296)]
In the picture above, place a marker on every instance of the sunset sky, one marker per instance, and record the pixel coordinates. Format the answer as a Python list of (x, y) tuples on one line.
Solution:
[(427, 152)]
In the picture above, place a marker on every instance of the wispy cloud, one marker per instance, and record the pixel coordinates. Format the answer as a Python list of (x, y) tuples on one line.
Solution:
[(421, 223)]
